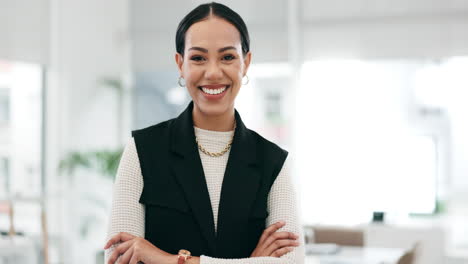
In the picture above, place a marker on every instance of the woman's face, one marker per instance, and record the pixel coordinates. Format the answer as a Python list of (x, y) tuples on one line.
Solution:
[(213, 65)]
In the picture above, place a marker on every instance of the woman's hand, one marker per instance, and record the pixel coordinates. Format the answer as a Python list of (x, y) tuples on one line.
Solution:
[(135, 249), (275, 244)]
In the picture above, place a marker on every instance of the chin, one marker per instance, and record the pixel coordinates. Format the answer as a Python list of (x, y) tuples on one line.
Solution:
[(213, 109)]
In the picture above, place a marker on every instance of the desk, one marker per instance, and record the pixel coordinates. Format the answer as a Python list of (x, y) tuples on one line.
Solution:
[(17, 250), (358, 255)]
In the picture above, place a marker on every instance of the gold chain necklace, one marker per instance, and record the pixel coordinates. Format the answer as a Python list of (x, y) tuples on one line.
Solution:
[(216, 154)]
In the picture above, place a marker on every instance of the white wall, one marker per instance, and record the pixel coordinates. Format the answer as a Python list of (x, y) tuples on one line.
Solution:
[(378, 31), (24, 30)]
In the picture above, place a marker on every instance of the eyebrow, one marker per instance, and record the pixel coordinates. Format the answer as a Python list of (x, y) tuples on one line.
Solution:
[(206, 51)]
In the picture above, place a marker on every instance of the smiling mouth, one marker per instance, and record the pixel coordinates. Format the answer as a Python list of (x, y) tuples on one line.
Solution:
[(213, 89)]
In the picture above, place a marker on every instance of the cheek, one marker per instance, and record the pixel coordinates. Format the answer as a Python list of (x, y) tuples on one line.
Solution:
[(192, 75), (235, 73)]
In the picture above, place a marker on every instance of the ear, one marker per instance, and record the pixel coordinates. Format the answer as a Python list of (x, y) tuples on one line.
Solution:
[(247, 59), (179, 59)]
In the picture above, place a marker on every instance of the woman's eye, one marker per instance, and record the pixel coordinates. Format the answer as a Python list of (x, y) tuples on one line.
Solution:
[(228, 57), (197, 58)]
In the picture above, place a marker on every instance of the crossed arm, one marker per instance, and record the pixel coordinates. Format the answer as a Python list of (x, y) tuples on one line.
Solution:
[(280, 242)]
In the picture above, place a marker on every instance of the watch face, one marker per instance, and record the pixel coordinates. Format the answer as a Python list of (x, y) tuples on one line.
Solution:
[(184, 252)]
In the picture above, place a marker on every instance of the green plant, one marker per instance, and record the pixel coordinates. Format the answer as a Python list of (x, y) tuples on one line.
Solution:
[(104, 162)]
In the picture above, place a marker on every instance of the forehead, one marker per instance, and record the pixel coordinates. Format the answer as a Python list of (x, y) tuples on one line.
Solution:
[(213, 32)]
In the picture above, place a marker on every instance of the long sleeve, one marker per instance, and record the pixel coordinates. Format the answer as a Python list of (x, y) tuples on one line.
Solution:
[(283, 206), (127, 214)]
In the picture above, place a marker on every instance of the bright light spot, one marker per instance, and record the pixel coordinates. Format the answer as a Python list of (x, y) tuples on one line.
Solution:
[(176, 95), (355, 152)]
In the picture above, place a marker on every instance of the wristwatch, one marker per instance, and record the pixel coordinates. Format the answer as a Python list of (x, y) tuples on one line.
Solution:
[(183, 256)]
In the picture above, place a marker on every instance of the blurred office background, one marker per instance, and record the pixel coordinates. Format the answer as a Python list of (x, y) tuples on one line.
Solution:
[(369, 96)]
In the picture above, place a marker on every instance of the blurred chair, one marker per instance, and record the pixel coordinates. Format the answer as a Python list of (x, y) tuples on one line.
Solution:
[(6, 207), (410, 256), (45, 234), (431, 240), (339, 235)]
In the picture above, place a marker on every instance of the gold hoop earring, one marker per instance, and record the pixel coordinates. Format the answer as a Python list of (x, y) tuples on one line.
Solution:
[(248, 80), (179, 82)]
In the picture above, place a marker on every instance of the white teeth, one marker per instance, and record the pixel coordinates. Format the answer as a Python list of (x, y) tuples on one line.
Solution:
[(214, 91)]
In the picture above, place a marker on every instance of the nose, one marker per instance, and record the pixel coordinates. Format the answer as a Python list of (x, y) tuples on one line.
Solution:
[(213, 71)]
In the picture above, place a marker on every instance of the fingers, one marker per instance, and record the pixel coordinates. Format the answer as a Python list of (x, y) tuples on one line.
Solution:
[(275, 237), (134, 259), (122, 248), (280, 252), (280, 235), (274, 243), (279, 244), (270, 230), (125, 258), (122, 236)]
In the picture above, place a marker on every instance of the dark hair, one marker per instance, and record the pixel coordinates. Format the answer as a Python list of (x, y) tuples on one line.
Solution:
[(201, 13)]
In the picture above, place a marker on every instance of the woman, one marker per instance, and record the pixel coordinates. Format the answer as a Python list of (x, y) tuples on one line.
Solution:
[(203, 183)]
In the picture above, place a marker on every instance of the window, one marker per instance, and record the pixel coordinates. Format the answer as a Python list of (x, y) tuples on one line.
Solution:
[(20, 133), (362, 143)]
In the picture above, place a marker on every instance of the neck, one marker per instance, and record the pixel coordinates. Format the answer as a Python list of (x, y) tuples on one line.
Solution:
[(222, 122)]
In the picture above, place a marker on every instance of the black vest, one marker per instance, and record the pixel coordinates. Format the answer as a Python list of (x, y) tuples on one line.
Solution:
[(178, 213)]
